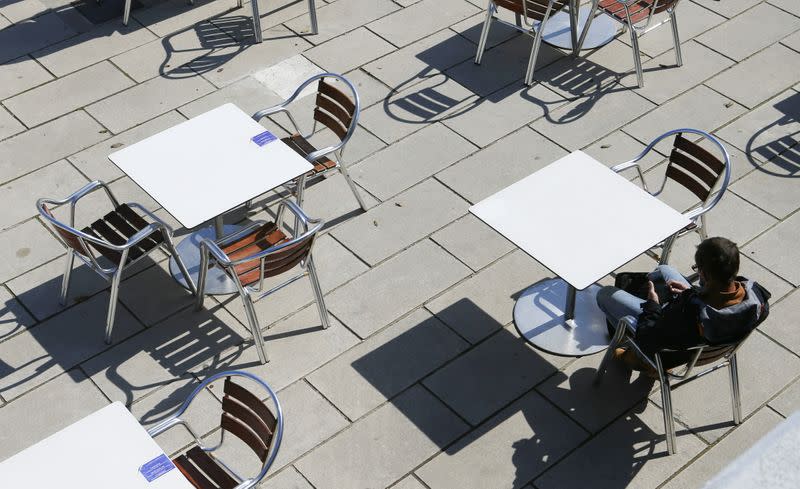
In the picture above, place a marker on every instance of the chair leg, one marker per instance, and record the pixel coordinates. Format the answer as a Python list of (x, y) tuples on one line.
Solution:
[(667, 249), (181, 266), (126, 15), (637, 57), (487, 24), (300, 192), (112, 303), (676, 37), (252, 319), (735, 393), (537, 41), (353, 188), (65, 279), (312, 12), (588, 24), (702, 229), (323, 311), (201, 278), (573, 26), (615, 342), (256, 22), (666, 402)]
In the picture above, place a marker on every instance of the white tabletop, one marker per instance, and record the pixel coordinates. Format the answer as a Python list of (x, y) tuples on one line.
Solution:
[(208, 165), (103, 450), (579, 219)]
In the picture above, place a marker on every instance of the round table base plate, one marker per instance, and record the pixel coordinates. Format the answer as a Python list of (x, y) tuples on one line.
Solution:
[(217, 281), (539, 317), (601, 32)]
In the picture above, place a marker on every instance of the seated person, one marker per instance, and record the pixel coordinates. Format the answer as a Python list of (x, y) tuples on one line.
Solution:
[(724, 308)]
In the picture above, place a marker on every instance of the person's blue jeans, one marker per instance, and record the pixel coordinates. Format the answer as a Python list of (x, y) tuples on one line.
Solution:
[(616, 303)]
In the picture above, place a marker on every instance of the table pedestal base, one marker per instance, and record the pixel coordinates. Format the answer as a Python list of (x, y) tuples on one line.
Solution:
[(557, 30), (539, 315), (217, 281)]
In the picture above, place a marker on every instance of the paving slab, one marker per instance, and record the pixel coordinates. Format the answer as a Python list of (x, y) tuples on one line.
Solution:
[(630, 453), (503, 112), (19, 196), (693, 20), (779, 325), (524, 440), (400, 221), (728, 9), (331, 199), (483, 380), (342, 16), (349, 51), (65, 135), (595, 406), (26, 246), (391, 289), (770, 249), (9, 125), (759, 77), (137, 294), (380, 367), (30, 35), (19, 11), (92, 47), (389, 172), (460, 239), (471, 27), (21, 74), (787, 5), (288, 478), (772, 187), (68, 93), (499, 165), (165, 18), (384, 446), (793, 41), (765, 368), (48, 409), (409, 483), (788, 401), (422, 59), (147, 101), (700, 108), (619, 147), (726, 451), (764, 25), (474, 310), (49, 349), (420, 20), (14, 318), (93, 162), (589, 118), (155, 357)]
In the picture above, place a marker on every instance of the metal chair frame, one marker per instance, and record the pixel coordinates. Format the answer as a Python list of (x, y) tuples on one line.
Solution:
[(312, 12), (696, 213), (639, 29), (335, 150), (528, 26), (113, 273), (624, 334), (250, 294), (275, 443)]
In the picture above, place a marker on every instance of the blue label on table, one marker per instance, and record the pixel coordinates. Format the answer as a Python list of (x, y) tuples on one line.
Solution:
[(263, 138), (157, 467)]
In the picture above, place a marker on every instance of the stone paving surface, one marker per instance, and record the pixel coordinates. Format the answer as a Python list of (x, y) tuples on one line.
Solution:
[(422, 380)]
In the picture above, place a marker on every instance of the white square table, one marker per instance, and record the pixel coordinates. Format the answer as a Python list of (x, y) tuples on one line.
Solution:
[(101, 451), (582, 221), (202, 168)]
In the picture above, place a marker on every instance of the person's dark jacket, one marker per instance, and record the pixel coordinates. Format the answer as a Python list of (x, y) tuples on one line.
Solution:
[(687, 321)]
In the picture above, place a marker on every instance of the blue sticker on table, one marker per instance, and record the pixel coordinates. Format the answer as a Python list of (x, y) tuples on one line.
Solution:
[(157, 467), (265, 137)]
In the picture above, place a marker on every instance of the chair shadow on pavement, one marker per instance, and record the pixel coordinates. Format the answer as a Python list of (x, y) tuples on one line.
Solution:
[(781, 150), (497, 388)]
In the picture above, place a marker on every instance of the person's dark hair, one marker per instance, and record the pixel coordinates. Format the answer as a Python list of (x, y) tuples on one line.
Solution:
[(718, 258)]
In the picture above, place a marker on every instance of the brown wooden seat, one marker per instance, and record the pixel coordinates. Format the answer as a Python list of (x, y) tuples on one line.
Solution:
[(535, 9), (639, 11), (302, 147), (117, 227)]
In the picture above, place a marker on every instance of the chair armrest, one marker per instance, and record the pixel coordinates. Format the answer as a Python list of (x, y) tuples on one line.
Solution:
[(315, 155), (170, 423), (301, 215), (212, 248)]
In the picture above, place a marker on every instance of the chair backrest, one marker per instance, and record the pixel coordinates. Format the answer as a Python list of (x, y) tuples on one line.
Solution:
[(335, 109), (248, 418), (694, 167), (69, 236), (531, 9)]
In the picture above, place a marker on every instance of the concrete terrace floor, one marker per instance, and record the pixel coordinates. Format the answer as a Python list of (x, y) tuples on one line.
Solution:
[(422, 380)]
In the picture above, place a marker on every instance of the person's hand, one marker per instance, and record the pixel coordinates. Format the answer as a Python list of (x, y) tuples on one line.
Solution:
[(676, 287), (651, 292)]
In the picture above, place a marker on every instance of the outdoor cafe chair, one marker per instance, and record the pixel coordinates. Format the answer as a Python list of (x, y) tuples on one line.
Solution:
[(312, 12), (261, 251), (694, 168), (532, 15), (122, 237), (715, 356), (636, 16), (245, 416), (335, 110)]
